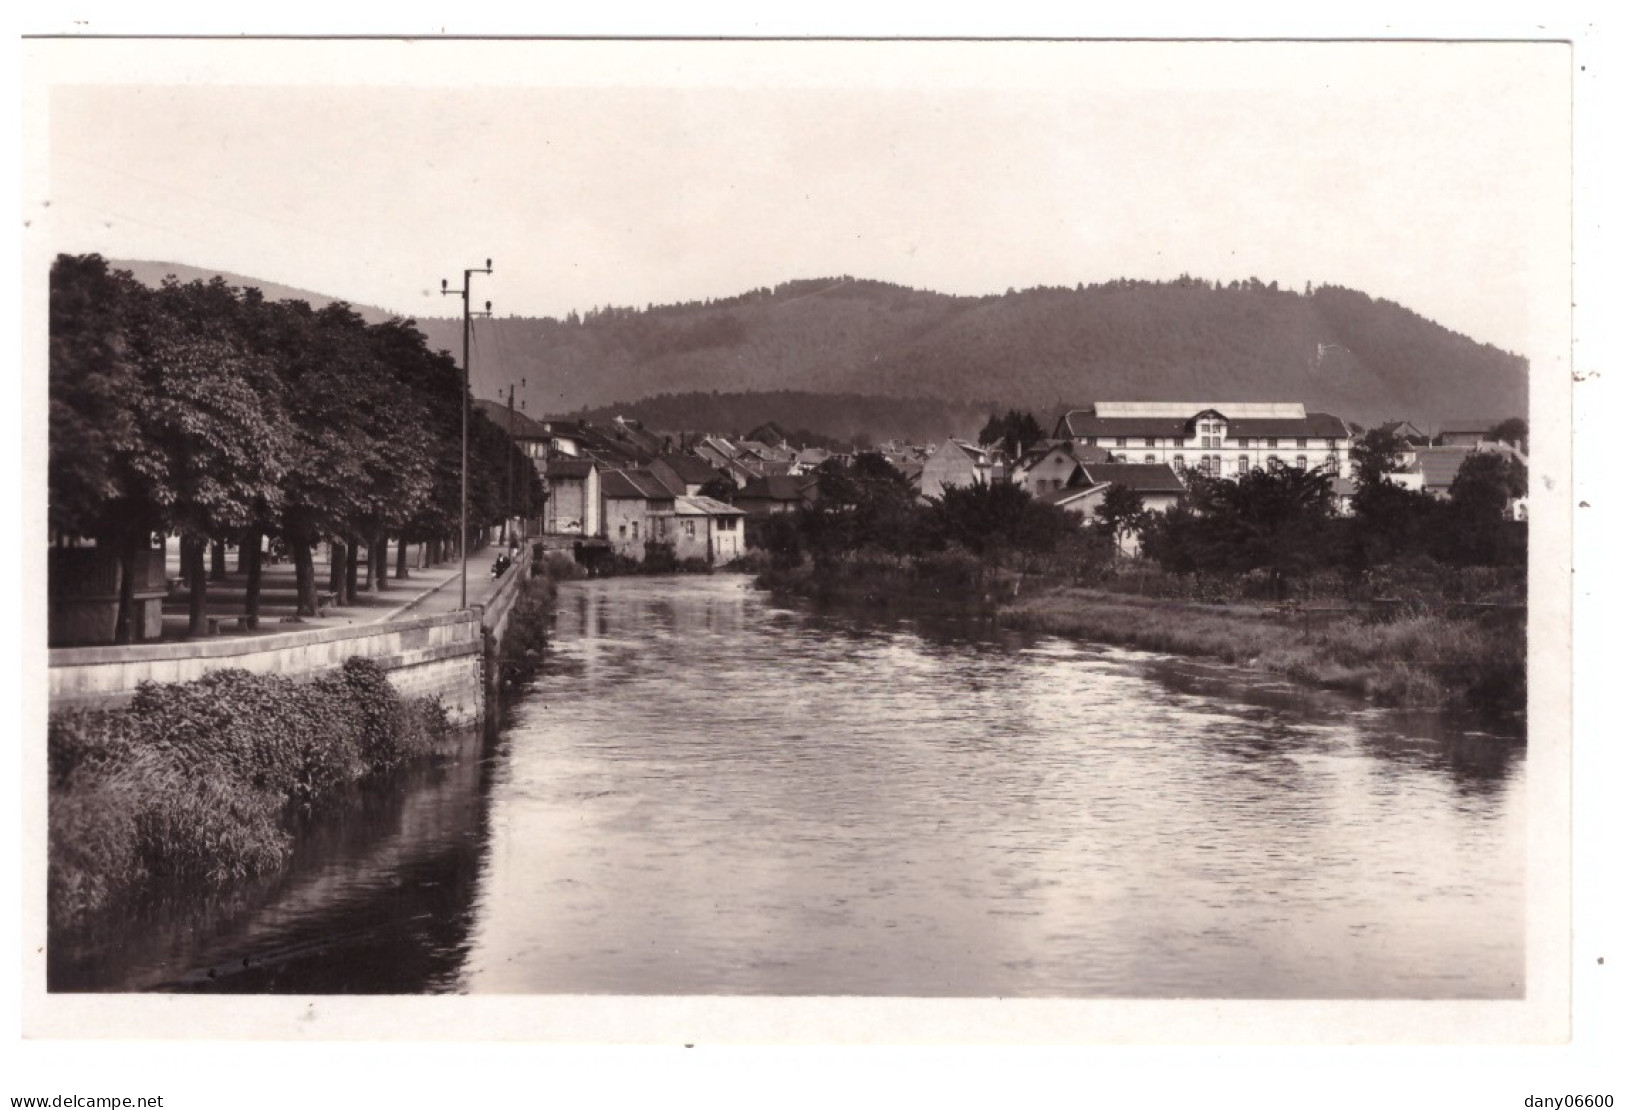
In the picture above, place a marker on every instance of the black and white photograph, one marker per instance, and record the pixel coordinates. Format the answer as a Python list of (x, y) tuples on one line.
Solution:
[(799, 541)]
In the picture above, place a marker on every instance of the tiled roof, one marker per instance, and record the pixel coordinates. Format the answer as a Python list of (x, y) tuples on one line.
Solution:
[(691, 468), (1081, 423), (569, 468), (500, 415), (704, 506), (978, 455), (1082, 452), (1062, 496), (776, 487), (766, 452), (1139, 477), (635, 485)]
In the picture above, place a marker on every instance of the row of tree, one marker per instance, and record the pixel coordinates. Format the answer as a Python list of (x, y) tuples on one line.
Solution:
[(1284, 522), (869, 504), (207, 412)]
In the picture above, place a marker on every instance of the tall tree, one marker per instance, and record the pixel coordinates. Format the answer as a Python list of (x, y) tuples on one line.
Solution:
[(95, 388), (1121, 513), (1478, 528)]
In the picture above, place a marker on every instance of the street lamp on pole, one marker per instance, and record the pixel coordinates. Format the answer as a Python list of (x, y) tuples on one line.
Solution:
[(507, 521), (462, 545)]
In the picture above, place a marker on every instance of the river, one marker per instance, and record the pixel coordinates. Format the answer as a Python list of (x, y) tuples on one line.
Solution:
[(710, 792)]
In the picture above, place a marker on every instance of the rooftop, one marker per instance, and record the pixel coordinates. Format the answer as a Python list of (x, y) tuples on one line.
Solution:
[(1139, 477)]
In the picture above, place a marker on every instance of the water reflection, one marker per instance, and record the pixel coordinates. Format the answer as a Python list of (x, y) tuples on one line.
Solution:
[(379, 899), (707, 792), (727, 796)]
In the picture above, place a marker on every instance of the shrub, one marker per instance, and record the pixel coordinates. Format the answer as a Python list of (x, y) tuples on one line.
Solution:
[(525, 644), (197, 781), (559, 567)]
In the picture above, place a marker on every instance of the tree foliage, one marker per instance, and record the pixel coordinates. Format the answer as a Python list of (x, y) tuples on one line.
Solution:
[(1015, 432), (205, 410), (1336, 349), (1275, 520), (1122, 512)]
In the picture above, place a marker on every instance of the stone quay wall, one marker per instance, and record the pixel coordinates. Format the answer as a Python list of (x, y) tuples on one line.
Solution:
[(425, 656)]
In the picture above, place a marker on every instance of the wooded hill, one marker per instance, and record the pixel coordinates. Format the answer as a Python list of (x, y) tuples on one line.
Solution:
[(1336, 350)]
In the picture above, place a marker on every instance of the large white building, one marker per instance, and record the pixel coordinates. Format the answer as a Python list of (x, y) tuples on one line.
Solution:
[(1222, 438)]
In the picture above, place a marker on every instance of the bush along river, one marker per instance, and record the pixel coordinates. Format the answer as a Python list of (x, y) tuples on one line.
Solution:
[(709, 791)]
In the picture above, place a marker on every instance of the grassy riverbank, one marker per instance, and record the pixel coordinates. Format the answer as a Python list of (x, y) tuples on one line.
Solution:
[(203, 782), (1427, 656), (1430, 659)]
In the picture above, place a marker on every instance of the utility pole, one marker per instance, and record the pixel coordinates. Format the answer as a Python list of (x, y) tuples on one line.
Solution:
[(509, 515), (462, 545)]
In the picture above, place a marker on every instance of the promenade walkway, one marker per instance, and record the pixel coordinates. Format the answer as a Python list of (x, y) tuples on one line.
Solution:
[(425, 591)]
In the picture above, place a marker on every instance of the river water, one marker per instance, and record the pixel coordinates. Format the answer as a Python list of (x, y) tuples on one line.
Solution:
[(708, 792)]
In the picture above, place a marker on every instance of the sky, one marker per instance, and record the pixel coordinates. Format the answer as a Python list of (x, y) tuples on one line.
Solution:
[(633, 173)]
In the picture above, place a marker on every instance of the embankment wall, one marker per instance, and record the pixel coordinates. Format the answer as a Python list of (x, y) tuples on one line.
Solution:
[(447, 655), (425, 656)]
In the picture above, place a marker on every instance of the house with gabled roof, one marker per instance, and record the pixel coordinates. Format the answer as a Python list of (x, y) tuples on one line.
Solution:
[(531, 436), (700, 528), (1158, 486), (1459, 435), (574, 499), (959, 463), (727, 458), (690, 473), (1437, 467), (1052, 465), (1405, 432), (630, 498), (1223, 439), (776, 493)]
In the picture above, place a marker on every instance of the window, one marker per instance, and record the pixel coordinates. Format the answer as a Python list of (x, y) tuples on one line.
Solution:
[(1303, 441), (1122, 441), (1244, 442), (634, 529), (1151, 458), (1331, 462), (727, 523), (1274, 463), (1302, 463), (1241, 465), (623, 531), (1272, 444), (688, 527), (1089, 440), (1179, 463), (1207, 464)]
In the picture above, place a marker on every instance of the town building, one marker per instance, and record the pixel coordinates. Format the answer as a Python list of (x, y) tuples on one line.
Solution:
[(574, 499), (1052, 465), (630, 498), (700, 528), (1222, 439), (778, 493), (689, 473), (727, 458), (958, 463), (1158, 486), (531, 436)]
